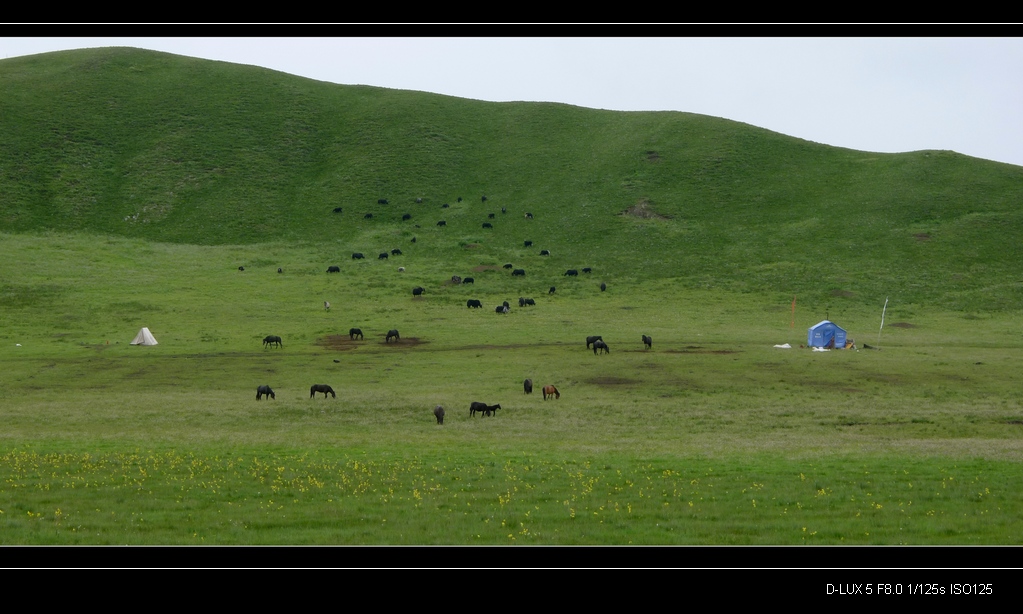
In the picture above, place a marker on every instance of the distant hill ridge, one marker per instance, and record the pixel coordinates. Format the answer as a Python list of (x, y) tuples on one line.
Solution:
[(168, 148)]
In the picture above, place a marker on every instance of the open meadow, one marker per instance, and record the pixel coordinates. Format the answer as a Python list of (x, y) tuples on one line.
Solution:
[(711, 436)]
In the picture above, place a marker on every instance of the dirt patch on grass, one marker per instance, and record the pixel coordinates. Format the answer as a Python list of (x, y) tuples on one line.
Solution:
[(471, 245), (653, 156), (696, 349), (902, 325), (338, 343), (486, 267), (610, 381), (922, 236), (643, 210)]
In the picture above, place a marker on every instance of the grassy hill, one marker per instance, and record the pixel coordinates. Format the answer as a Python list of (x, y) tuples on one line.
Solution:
[(166, 148)]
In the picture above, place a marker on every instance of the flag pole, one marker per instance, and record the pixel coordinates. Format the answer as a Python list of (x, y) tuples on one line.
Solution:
[(882, 321)]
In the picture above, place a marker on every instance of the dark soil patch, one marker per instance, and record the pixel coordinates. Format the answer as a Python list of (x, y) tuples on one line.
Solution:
[(471, 245), (653, 156), (922, 236), (613, 381), (338, 343), (486, 267), (843, 293), (902, 325), (696, 349), (643, 210)]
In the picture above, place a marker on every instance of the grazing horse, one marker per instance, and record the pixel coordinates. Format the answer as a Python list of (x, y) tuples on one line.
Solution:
[(600, 345), (272, 340), (648, 342), (265, 390), (439, 412), (392, 333), (325, 389), (355, 332), (590, 340), (550, 392), (486, 410), (527, 386)]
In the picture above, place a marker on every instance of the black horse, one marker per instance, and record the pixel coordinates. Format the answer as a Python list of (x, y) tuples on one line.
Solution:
[(272, 340), (325, 389), (439, 413), (355, 332), (486, 410), (265, 390), (392, 333), (590, 340), (647, 341), (600, 345)]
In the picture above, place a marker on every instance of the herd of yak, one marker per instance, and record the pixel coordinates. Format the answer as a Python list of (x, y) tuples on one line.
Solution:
[(549, 392)]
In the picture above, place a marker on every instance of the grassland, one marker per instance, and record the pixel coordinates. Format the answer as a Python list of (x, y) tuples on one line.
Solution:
[(128, 199)]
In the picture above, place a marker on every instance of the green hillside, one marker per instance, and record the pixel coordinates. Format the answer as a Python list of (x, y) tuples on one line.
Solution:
[(150, 145)]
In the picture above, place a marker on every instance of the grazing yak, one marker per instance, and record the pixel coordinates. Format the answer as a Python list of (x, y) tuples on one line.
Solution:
[(528, 243), (445, 206), (265, 391), (382, 256), (393, 333), (280, 270), (600, 345), (603, 286), (509, 266), (487, 225), (591, 339), (527, 386), (529, 216), (442, 223), (519, 272), (337, 209), (439, 413), (486, 410), (545, 252), (483, 199), (530, 301), (418, 291), (272, 340), (355, 332), (455, 279), (407, 216), (401, 269), (550, 392), (473, 303), (325, 389), (333, 269), (571, 273), (396, 252), (551, 291), (648, 342), (326, 305), (501, 309), (587, 270), (490, 216), (468, 280), (357, 256), (241, 268), (368, 216), (382, 201)]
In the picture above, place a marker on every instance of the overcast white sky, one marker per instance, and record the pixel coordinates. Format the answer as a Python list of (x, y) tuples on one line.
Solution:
[(871, 94)]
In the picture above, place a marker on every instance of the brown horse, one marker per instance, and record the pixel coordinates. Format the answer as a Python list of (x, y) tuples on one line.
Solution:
[(550, 392)]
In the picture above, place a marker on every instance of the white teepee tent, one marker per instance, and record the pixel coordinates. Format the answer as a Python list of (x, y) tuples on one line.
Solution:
[(144, 338)]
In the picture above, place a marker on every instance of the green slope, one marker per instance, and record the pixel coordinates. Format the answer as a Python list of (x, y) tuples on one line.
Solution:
[(166, 148)]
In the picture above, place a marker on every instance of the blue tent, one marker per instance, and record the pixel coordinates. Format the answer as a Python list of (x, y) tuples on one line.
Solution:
[(825, 335)]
